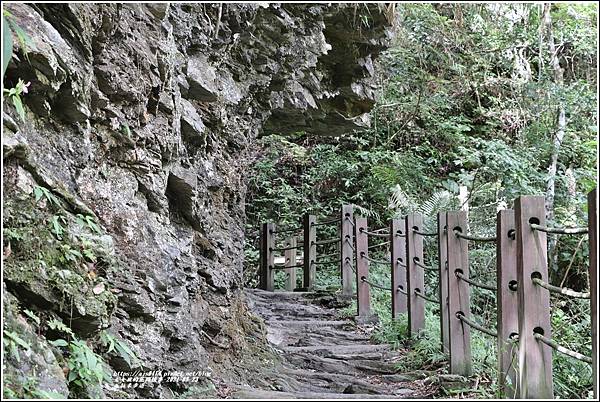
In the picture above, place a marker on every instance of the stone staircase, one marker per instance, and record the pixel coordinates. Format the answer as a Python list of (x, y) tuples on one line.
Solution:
[(323, 355)]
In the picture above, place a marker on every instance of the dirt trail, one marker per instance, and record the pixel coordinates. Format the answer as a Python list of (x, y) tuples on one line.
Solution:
[(323, 354)]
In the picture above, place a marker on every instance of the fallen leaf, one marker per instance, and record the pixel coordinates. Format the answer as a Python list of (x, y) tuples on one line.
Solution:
[(7, 251), (99, 288)]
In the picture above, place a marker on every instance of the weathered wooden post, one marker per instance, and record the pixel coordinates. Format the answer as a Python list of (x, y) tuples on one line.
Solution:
[(443, 278), (508, 302), (415, 275), (267, 258), (535, 358), (363, 295), (593, 239), (290, 261), (398, 251), (346, 239), (458, 295), (310, 251)]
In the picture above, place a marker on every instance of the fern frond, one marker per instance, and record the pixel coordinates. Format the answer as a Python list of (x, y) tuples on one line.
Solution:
[(401, 202), (366, 212)]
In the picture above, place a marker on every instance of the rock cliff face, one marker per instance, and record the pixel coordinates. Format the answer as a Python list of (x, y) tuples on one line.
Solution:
[(124, 182)]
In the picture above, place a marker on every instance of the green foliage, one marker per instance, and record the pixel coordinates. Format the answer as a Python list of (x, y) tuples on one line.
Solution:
[(85, 367), (40, 192), (7, 44), (59, 326), (32, 316), (112, 344), (10, 27), (15, 95), (125, 130), (90, 222), (12, 342), (571, 327), (29, 390), (56, 227)]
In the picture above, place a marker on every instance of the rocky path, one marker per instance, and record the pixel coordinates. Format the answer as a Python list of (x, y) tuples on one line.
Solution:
[(323, 355)]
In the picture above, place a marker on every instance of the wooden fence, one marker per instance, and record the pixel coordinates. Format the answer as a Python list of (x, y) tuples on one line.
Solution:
[(523, 331)]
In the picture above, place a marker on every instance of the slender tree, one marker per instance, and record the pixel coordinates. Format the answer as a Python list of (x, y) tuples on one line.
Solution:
[(561, 125)]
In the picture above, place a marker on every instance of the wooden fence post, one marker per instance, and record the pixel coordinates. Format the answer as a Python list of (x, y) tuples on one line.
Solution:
[(443, 278), (363, 295), (535, 358), (267, 258), (508, 302), (398, 250), (346, 241), (310, 251), (593, 239), (458, 295), (415, 275), (290, 261)]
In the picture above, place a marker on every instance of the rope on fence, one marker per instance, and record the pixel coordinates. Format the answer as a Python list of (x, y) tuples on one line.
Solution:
[(399, 289), (562, 349), (351, 266), (350, 243), (422, 296), (474, 238), (350, 220), (373, 260), (328, 241), (417, 231), (285, 248), (327, 262), (478, 327), (380, 244), (325, 222), (425, 267), (288, 230), (363, 279), (460, 276), (564, 291), (329, 255), (400, 263), (293, 266), (362, 230), (569, 231), (400, 234)]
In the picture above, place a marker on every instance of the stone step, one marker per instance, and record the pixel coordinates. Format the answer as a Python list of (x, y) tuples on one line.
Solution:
[(337, 349), (251, 393), (309, 323)]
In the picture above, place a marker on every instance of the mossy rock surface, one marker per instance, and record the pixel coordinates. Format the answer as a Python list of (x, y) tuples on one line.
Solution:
[(33, 370), (63, 270)]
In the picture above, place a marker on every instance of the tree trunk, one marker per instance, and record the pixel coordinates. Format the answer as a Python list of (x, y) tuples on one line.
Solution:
[(560, 131)]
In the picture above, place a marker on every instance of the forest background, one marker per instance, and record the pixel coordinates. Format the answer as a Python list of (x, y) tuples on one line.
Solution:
[(500, 99)]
